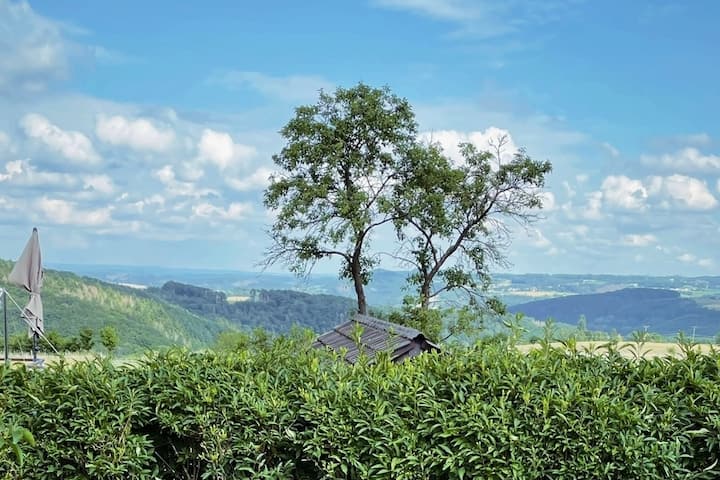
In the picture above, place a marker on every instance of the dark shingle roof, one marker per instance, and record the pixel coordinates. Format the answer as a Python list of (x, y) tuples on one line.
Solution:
[(377, 335)]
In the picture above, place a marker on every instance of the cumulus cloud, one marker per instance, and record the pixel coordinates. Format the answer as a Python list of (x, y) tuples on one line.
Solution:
[(219, 149), (674, 191), (72, 145), (23, 173), (177, 188), (234, 211), (537, 239), (624, 192), (292, 88), (258, 180), (138, 134), (685, 160), (482, 139), (639, 240), (682, 190), (64, 212)]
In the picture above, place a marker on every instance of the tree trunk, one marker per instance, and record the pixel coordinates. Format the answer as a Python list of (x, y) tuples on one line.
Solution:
[(425, 294), (360, 292), (357, 277)]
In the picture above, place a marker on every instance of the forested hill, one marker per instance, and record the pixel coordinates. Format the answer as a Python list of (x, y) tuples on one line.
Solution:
[(142, 321), (273, 310), (628, 310)]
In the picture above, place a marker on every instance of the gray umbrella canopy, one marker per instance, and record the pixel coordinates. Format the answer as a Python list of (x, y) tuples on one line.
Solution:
[(28, 273)]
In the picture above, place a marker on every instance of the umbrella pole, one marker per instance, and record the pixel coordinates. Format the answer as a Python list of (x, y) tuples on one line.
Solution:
[(5, 328), (35, 346)]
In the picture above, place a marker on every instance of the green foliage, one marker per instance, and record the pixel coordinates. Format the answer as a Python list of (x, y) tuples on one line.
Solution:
[(74, 303), (273, 310), (277, 409), (109, 338), (338, 167), (12, 438), (450, 219)]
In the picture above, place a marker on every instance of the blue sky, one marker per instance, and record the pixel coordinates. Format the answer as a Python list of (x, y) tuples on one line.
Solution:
[(142, 132)]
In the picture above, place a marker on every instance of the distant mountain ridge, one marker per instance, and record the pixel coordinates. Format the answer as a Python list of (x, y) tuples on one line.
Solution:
[(628, 310)]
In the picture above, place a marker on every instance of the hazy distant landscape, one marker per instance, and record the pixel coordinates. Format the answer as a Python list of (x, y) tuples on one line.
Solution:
[(245, 300)]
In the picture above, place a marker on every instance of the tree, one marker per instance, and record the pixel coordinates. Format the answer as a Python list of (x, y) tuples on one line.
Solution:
[(338, 168), (451, 218), (109, 338), (85, 340)]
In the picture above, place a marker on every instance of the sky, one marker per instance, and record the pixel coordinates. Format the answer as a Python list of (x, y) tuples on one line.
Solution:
[(142, 133)]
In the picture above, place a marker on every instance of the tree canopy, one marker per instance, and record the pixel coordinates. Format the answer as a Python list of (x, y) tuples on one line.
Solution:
[(338, 169), (353, 162)]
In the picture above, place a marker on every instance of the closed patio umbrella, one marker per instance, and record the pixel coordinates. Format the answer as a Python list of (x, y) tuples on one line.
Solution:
[(28, 273)]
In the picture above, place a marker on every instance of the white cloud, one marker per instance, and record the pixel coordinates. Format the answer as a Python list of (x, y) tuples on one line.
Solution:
[(624, 192), (4, 140), (34, 52), (614, 152), (686, 159), (593, 209), (98, 183), (63, 212), (22, 173), (705, 262), (176, 188), (484, 18), (74, 146), (234, 211), (694, 139), (548, 201), (687, 257), (685, 191), (292, 88), (219, 149), (537, 238), (138, 134), (483, 139), (258, 180), (639, 240), (444, 9)]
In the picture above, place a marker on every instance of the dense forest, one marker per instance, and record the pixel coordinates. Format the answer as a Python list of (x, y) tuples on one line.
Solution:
[(272, 310)]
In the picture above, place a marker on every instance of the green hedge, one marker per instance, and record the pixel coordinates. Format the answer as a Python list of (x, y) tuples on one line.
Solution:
[(285, 411)]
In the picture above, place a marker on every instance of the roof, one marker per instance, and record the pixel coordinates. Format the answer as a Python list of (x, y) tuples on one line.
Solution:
[(377, 336)]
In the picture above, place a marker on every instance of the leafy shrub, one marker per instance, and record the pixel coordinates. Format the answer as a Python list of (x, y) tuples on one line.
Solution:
[(277, 409)]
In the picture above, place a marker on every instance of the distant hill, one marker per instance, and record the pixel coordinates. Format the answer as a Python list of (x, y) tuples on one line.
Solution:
[(273, 310), (72, 303), (627, 310)]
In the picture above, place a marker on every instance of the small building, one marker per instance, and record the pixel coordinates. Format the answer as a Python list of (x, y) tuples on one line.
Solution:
[(377, 336)]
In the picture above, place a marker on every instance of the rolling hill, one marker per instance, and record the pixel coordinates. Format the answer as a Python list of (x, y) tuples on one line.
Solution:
[(661, 311), (72, 303)]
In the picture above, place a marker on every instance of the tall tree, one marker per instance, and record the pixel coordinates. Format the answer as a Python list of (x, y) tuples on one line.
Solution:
[(338, 168), (451, 219)]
